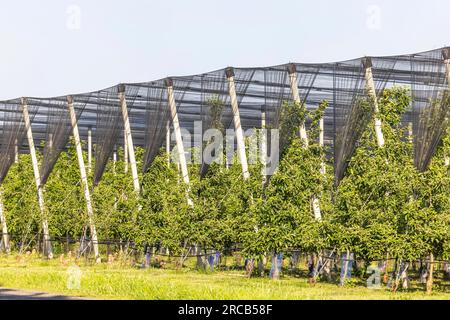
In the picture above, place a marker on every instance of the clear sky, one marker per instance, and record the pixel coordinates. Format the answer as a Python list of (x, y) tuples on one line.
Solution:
[(56, 47)]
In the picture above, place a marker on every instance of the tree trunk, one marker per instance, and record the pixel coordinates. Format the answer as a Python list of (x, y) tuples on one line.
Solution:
[(430, 275), (200, 263), (261, 266), (346, 261), (276, 271), (250, 264)]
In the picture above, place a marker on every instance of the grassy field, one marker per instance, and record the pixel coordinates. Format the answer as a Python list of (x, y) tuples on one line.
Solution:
[(116, 280)]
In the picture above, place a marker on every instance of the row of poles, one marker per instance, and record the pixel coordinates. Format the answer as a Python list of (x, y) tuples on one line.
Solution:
[(130, 154)]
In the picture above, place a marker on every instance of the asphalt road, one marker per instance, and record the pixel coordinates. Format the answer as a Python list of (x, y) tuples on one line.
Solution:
[(13, 294)]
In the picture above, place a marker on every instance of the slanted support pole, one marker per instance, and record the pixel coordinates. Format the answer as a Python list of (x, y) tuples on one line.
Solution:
[(84, 181), (178, 138), (37, 178), (129, 139), (321, 143), (446, 56), (237, 123), (5, 235), (114, 160), (296, 96), (125, 151), (168, 142), (263, 147), (16, 151), (292, 71), (176, 128), (89, 149), (370, 87)]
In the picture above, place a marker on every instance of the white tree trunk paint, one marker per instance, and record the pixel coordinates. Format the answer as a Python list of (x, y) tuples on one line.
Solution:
[(370, 87), (37, 178), (5, 235), (303, 135), (129, 140), (178, 137), (87, 194), (237, 124), (89, 150)]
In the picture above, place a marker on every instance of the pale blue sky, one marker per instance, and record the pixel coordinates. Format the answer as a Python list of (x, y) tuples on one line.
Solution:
[(48, 49)]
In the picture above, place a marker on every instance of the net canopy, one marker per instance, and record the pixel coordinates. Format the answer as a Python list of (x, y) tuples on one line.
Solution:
[(157, 122), (259, 90), (431, 104), (13, 132), (109, 124)]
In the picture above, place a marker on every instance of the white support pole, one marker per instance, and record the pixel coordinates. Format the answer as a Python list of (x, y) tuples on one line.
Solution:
[(321, 143), (263, 148), (84, 180), (5, 235), (125, 151), (37, 178), (16, 151), (176, 128), (296, 96), (292, 71), (114, 172), (89, 149), (168, 142), (237, 123), (370, 87), (129, 139), (446, 56), (114, 161)]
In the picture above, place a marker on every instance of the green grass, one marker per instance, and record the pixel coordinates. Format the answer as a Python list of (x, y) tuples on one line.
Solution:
[(118, 281)]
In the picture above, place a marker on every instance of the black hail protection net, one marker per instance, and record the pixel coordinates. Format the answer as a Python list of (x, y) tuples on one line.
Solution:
[(352, 113), (431, 101), (157, 121), (57, 132), (259, 89), (353, 106), (13, 132), (108, 128), (213, 112)]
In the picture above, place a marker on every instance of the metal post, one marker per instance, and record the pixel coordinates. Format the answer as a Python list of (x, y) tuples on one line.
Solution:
[(84, 181), (129, 139), (237, 123), (370, 87), (292, 71), (37, 179)]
